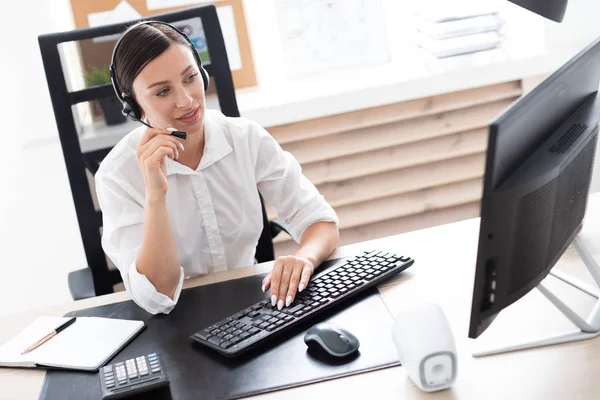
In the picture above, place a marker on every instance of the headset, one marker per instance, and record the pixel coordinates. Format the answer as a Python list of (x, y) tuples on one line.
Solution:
[(130, 108)]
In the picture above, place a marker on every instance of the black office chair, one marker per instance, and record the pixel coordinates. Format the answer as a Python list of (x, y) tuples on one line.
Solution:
[(98, 278)]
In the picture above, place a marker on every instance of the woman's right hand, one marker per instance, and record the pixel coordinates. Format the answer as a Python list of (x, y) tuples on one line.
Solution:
[(156, 144)]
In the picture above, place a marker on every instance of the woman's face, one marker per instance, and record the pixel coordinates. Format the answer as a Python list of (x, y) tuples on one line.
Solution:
[(170, 90)]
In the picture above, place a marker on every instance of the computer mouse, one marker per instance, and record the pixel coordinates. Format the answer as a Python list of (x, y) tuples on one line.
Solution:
[(331, 339)]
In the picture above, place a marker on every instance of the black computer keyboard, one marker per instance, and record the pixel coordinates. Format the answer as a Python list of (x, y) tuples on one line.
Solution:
[(252, 326)]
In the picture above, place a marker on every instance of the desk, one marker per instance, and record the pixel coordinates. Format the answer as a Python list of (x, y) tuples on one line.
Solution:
[(443, 272)]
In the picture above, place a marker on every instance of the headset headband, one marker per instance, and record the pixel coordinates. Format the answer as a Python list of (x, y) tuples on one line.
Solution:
[(112, 67)]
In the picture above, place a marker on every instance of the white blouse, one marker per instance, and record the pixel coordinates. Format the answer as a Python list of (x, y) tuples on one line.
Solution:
[(215, 211)]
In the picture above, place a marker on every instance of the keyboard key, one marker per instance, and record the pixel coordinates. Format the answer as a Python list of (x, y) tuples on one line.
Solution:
[(295, 308), (215, 340), (245, 335), (203, 335), (264, 325), (221, 323), (226, 345), (236, 340)]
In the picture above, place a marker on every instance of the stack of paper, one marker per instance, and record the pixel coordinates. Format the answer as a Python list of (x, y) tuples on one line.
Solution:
[(447, 29)]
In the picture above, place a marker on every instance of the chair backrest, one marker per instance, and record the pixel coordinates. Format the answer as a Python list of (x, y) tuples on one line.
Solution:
[(86, 141)]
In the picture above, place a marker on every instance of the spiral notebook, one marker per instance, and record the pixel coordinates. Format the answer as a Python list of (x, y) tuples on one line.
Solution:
[(85, 345)]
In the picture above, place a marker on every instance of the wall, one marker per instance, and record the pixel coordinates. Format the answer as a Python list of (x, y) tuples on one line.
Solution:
[(26, 97), (38, 229), (579, 28)]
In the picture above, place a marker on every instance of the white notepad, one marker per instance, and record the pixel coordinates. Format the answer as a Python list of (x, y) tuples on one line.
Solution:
[(85, 345)]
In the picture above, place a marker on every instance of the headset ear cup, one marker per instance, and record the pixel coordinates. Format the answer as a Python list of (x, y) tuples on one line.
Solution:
[(131, 109)]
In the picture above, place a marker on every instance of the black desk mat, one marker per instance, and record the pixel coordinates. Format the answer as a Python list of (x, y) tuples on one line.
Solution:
[(196, 372)]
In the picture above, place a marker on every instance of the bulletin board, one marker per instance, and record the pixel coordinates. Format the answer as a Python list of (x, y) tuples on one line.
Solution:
[(97, 54)]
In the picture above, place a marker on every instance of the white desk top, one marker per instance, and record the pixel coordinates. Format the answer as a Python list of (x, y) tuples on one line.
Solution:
[(443, 272)]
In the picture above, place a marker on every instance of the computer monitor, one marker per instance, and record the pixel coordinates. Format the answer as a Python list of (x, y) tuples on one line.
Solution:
[(538, 170)]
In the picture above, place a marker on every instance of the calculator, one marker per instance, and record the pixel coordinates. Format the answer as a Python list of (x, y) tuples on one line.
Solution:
[(133, 376)]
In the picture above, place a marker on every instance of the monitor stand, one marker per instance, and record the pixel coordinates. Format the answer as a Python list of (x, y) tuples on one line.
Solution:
[(588, 328)]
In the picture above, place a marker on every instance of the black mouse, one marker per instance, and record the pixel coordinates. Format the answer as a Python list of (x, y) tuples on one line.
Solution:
[(332, 339)]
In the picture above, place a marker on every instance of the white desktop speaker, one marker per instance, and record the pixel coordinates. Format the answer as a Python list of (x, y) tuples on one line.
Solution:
[(426, 346)]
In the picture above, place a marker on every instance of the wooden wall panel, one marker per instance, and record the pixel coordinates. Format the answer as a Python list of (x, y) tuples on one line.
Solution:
[(393, 112), (393, 134), (403, 156), (399, 167)]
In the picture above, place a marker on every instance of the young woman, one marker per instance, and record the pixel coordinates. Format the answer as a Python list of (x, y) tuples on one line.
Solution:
[(174, 209)]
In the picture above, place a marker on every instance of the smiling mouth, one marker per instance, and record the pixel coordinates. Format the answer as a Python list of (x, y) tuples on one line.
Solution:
[(190, 114)]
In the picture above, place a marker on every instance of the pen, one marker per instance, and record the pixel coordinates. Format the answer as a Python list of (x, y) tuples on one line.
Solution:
[(49, 336)]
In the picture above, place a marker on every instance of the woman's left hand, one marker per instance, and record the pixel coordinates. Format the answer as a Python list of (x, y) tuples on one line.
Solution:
[(290, 275)]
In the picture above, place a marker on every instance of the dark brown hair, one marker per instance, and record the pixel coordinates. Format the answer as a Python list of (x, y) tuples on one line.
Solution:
[(141, 44)]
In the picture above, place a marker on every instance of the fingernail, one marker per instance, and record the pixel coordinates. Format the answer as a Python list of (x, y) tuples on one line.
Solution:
[(263, 288), (273, 300), (288, 301), (301, 287), (181, 145), (176, 155), (280, 304), (170, 129)]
